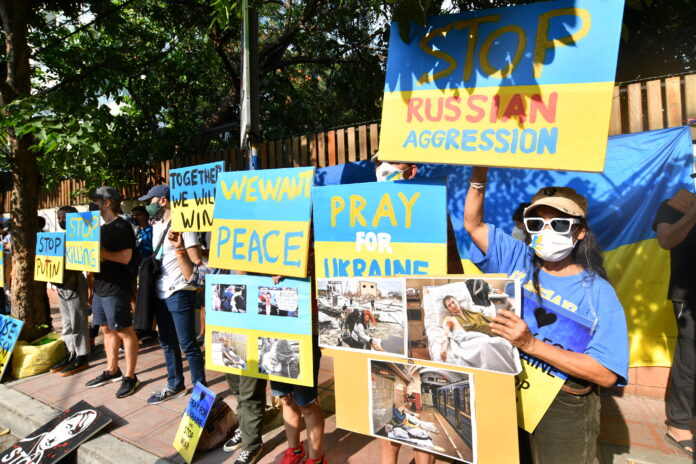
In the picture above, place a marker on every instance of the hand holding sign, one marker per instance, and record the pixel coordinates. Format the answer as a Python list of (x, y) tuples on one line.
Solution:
[(513, 328)]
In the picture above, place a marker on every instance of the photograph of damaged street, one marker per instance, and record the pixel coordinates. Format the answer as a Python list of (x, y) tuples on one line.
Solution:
[(427, 408)]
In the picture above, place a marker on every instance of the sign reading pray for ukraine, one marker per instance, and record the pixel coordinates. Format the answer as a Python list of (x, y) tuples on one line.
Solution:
[(261, 221), (82, 233), (528, 86), (381, 229), (193, 196), (50, 248)]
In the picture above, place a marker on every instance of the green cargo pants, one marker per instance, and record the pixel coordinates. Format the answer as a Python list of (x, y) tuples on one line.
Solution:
[(251, 404)]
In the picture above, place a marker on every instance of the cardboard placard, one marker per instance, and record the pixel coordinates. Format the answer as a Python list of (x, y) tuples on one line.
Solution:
[(193, 196), (259, 329), (261, 221), (9, 334), (49, 263), (528, 86), (57, 438), (380, 229), (193, 421), (82, 247)]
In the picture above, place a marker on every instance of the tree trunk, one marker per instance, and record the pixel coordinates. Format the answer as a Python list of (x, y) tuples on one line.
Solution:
[(27, 295)]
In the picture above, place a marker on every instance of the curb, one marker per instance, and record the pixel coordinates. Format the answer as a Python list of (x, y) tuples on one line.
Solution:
[(23, 414)]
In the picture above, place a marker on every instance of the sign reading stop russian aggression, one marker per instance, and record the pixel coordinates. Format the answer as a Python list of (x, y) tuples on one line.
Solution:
[(82, 234), (261, 221), (193, 196), (50, 248), (528, 86), (381, 229)]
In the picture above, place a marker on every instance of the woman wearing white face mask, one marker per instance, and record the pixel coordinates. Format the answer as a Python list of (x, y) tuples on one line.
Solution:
[(560, 256)]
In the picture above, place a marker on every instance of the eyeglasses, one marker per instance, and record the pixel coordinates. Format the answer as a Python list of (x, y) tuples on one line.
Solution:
[(558, 225)]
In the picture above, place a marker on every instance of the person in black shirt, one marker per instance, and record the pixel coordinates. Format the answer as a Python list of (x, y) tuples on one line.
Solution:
[(676, 233), (112, 293)]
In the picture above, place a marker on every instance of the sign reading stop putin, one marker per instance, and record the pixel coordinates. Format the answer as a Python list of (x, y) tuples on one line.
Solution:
[(528, 86)]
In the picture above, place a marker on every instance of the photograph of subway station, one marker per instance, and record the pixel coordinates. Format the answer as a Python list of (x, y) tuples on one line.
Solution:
[(426, 408)]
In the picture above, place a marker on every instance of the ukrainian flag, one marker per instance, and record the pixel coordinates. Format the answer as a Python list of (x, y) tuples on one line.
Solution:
[(641, 171)]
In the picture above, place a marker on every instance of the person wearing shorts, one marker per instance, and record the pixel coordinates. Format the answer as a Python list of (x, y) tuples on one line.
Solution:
[(112, 293), (301, 401)]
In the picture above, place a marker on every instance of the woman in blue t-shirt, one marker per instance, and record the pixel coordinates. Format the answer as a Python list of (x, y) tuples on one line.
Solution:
[(559, 261)]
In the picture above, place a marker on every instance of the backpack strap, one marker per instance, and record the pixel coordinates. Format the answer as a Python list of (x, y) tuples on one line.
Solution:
[(161, 242)]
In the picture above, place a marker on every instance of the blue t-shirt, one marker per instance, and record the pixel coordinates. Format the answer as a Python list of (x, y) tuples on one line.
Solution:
[(609, 342)]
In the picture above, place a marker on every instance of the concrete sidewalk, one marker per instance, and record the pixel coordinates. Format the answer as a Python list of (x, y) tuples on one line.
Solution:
[(632, 427)]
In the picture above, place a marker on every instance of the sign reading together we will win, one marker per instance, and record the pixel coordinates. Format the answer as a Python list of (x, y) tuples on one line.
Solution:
[(261, 221), (193, 196), (529, 86)]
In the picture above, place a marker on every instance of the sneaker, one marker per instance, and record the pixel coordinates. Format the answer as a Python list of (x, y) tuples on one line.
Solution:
[(249, 456), (234, 443), (104, 378), (78, 364), (62, 364), (293, 456), (128, 386), (321, 460), (166, 394)]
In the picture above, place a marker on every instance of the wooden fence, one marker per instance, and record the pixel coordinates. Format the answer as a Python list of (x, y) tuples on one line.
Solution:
[(640, 106)]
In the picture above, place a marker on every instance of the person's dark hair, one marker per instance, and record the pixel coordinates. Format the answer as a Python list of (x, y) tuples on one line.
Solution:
[(446, 298), (140, 209), (586, 254), (354, 318), (517, 215), (42, 222), (67, 209)]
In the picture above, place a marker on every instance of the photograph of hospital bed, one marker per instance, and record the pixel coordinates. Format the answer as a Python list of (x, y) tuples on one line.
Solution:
[(449, 317)]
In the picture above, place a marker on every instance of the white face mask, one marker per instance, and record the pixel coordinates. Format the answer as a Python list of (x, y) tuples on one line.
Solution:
[(552, 246), (518, 234), (388, 172)]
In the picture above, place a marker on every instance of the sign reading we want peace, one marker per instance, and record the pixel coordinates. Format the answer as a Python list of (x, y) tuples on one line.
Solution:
[(528, 86)]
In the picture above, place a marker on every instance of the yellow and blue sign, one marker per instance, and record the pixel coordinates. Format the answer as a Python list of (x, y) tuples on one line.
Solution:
[(256, 328), (261, 221), (2, 266), (193, 421), (9, 334), (527, 86), (381, 229), (82, 234), (193, 196), (48, 265), (539, 382)]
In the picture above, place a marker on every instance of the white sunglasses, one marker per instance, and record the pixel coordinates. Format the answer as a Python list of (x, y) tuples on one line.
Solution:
[(558, 225)]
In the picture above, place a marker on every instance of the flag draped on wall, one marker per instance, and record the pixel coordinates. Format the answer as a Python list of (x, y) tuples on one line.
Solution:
[(641, 171)]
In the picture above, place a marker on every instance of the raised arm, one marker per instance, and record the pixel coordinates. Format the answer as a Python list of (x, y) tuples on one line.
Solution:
[(671, 235), (473, 209)]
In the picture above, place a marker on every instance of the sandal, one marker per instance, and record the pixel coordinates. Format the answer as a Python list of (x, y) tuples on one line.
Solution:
[(681, 444)]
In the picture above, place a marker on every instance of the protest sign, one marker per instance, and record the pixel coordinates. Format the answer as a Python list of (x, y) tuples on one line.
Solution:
[(259, 329), (527, 86), (261, 221), (57, 438), (82, 234), (193, 196), (193, 421), (370, 385), (539, 382), (9, 334), (380, 229), (50, 248)]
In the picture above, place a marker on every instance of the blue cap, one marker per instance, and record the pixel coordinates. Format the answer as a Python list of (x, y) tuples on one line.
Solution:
[(156, 191)]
